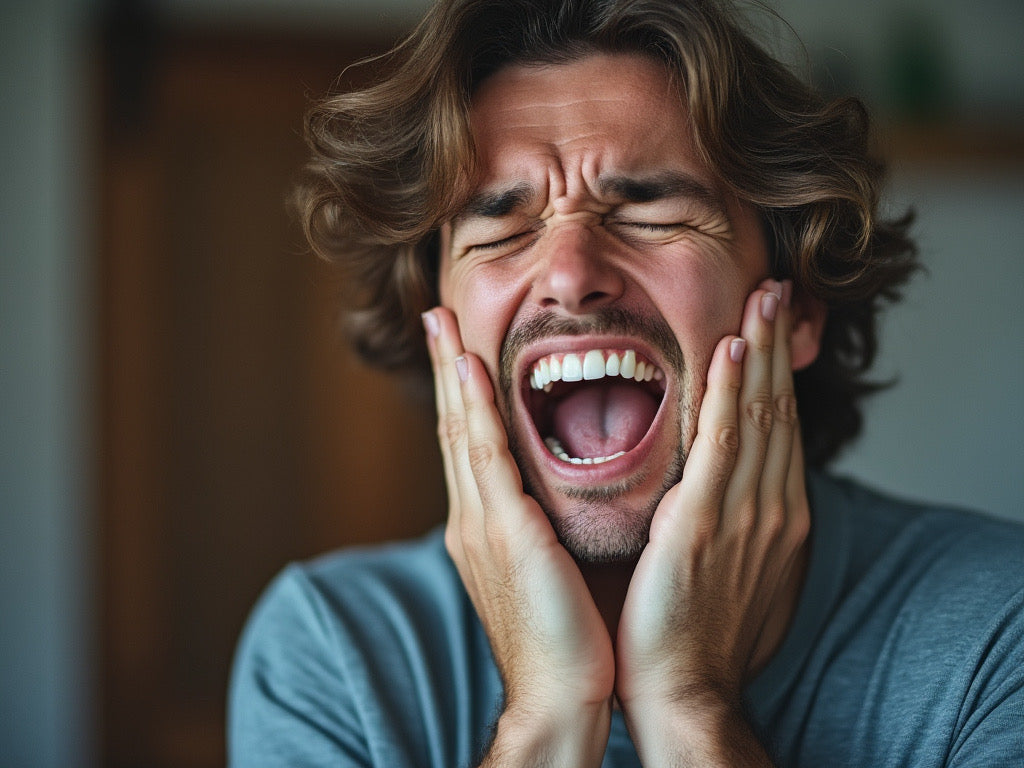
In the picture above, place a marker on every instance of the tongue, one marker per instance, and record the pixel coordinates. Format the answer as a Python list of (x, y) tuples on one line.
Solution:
[(599, 420)]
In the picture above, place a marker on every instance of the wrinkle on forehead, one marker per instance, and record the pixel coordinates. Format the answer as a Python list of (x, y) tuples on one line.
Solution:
[(615, 123)]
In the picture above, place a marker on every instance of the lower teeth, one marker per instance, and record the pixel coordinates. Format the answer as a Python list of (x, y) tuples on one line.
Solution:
[(560, 453)]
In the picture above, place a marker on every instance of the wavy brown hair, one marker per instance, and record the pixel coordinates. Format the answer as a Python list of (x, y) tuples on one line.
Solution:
[(390, 163)]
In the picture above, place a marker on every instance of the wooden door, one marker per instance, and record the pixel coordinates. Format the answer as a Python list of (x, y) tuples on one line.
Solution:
[(237, 431)]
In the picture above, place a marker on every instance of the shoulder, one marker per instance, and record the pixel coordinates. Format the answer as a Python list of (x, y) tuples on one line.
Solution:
[(338, 592), (383, 599), (940, 589), (877, 530), (911, 627), (375, 576), (336, 642)]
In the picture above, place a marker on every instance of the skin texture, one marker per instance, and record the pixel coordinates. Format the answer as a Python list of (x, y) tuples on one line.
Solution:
[(662, 586)]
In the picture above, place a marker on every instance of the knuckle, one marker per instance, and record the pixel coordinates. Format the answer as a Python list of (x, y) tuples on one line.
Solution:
[(759, 413), (481, 455), (799, 529), (773, 522), (785, 408), (452, 429), (731, 386), (725, 439)]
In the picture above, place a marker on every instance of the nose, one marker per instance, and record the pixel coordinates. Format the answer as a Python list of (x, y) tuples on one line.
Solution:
[(575, 274)]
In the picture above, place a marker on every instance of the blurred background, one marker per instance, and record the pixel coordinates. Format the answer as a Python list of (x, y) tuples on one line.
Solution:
[(178, 417)]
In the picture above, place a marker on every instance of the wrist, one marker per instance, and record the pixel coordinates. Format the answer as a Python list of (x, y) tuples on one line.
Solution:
[(700, 729), (531, 734)]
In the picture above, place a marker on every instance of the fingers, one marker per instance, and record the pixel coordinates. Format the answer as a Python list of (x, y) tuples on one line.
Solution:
[(445, 345), (742, 453), (767, 405), (756, 404), (784, 414), (488, 463), (713, 453), (721, 540), (480, 473)]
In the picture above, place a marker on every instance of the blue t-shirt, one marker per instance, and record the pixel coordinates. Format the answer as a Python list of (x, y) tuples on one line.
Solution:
[(906, 649)]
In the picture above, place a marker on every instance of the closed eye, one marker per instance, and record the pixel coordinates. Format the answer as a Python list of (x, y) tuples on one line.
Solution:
[(645, 229), (652, 227), (495, 244), (505, 242)]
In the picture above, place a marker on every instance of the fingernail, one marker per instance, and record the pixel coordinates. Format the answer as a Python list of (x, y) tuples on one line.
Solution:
[(430, 323), (462, 368), (736, 350), (769, 306)]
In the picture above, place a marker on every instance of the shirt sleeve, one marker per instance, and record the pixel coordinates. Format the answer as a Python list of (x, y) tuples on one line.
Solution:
[(289, 703)]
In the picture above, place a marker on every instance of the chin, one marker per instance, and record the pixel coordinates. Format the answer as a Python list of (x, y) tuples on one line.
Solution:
[(606, 524), (604, 520)]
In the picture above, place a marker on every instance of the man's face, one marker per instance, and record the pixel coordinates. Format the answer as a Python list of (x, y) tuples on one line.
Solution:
[(594, 270)]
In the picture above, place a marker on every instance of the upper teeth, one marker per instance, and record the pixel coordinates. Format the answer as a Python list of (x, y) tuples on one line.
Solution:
[(595, 364)]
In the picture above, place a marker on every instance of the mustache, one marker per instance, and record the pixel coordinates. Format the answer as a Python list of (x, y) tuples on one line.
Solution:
[(611, 320)]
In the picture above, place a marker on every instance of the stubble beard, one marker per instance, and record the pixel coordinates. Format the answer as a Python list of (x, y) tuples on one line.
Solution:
[(594, 524)]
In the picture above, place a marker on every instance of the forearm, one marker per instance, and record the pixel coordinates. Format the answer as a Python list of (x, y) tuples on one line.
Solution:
[(529, 737)]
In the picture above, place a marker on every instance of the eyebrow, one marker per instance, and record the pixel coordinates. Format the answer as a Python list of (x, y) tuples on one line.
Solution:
[(493, 205), (660, 187)]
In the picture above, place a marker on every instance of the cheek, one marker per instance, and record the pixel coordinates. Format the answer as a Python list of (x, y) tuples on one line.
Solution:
[(706, 304), (484, 307), (471, 296), (703, 304)]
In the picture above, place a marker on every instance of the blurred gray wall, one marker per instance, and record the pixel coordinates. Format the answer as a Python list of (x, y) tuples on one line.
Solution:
[(45, 371), (952, 430)]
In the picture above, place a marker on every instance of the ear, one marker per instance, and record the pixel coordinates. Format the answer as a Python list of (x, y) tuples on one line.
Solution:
[(809, 315)]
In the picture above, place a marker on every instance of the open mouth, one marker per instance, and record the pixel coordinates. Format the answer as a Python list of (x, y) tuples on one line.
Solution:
[(596, 406)]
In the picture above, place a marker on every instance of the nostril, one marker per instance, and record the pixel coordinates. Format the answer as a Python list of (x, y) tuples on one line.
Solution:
[(587, 302), (575, 278)]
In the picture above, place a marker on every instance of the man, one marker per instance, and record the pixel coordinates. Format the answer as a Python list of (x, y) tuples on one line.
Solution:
[(637, 226)]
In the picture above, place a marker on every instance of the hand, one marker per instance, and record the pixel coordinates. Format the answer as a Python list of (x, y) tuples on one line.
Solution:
[(547, 636), (724, 558)]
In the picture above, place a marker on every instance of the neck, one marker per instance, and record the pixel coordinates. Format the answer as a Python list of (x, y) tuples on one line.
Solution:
[(608, 584)]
